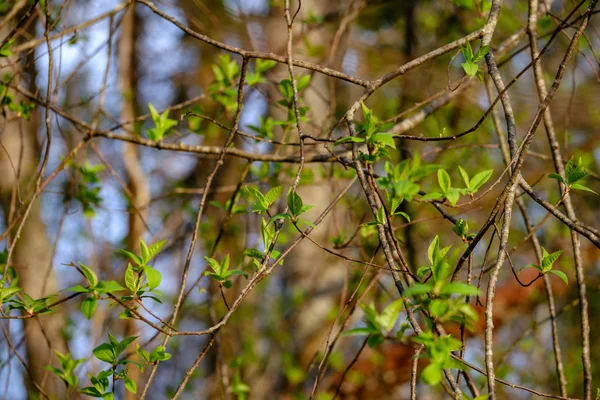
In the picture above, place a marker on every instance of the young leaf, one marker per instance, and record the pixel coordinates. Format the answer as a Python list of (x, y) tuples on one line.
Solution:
[(480, 179), (388, 317), (561, 275), (88, 306), (273, 194), (89, 275), (465, 177), (153, 276), (444, 180), (346, 139)]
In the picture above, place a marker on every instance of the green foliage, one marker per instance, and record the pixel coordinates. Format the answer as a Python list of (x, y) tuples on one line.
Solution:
[(155, 356), (67, 365), (95, 289), (265, 129), (5, 50), (402, 181), (263, 202), (439, 351), (162, 124), (574, 173), (443, 299), (221, 271), (471, 64), (368, 131), (223, 89), (86, 188), (547, 265), (110, 353), (21, 108), (452, 194), (378, 326), (262, 66), (287, 91), (136, 272)]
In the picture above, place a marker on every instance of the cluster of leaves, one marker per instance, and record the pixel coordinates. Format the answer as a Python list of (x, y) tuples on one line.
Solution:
[(223, 89), (110, 353), (369, 133), (21, 108), (452, 194), (139, 287), (444, 300), (162, 124), (574, 173), (547, 265), (401, 181), (95, 289), (86, 188), (68, 365), (257, 76), (295, 207), (439, 352), (471, 64), (9, 288), (221, 271), (287, 91), (11, 278), (378, 326)]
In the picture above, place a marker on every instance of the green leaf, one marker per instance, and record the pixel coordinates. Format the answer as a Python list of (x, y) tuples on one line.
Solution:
[(153, 276), (279, 216), (460, 288), (438, 307), (369, 120), (346, 139), (109, 287), (89, 275), (88, 306), (464, 176), (359, 332), (154, 114), (375, 340), (303, 82), (470, 69), (467, 51), (579, 186), (561, 275), (76, 289), (417, 289), (273, 194), (294, 202), (388, 317), (405, 215), (386, 139), (264, 65), (155, 248), (433, 248), (443, 180), (461, 228), (134, 257), (130, 280), (549, 259), (105, 353), (130, 385), (480, 179), (145, 253), (422, 271), (214, 264), (453, 196), (432, 374), (556, 176)]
